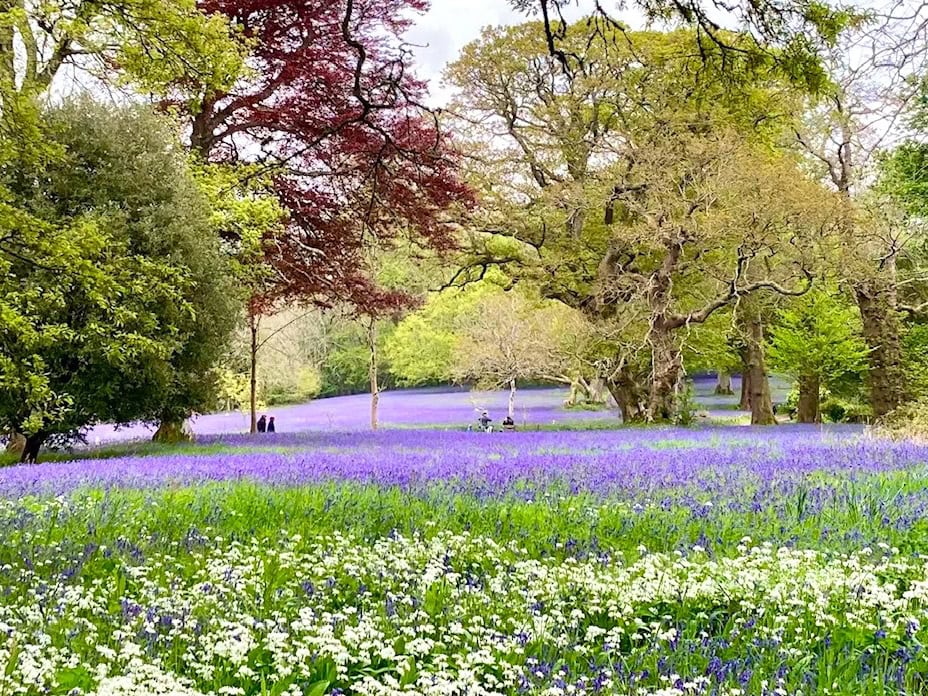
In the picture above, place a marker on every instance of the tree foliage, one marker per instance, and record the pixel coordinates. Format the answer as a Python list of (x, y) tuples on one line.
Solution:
[(817, 340), (114, 293), (330, 108), (149, 43), (639, 187)]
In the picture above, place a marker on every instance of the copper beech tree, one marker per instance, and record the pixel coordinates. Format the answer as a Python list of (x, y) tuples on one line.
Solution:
[(330, 114)]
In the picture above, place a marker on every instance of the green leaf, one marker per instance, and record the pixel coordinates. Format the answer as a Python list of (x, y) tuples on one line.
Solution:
[(317, 688)]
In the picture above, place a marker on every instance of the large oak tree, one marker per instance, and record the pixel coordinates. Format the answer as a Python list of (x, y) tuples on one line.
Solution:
[(637, 186)]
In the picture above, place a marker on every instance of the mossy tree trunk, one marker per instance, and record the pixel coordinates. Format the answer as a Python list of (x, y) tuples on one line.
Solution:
[(879, 314), (172, 431), (809, 401), (759, 387), (667, 367), (627, 394), (745, 402)]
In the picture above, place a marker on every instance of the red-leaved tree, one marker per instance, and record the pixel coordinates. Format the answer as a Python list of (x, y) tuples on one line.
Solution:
[(332, 112)]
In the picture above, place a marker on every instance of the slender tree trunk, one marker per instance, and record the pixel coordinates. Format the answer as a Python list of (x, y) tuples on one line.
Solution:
[(745, 403), (666, 368), (879, 314), (761, 405), (723, 385), (512, 398), (32, 447), (253, 384), (372, 374), (809, 404)]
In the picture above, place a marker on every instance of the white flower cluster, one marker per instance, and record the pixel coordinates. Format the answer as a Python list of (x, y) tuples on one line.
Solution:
[(450, 615)]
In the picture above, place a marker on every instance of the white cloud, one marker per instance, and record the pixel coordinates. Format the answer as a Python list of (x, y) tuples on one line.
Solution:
[(449, 25), (446, 28)]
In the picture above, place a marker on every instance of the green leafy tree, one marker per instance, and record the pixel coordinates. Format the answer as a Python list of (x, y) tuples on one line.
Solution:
[(114, 289), (645, 186), (915, 351), (715, 346), (249, 220), (817, 340), (507, 339), (152, 44), (421, 350)]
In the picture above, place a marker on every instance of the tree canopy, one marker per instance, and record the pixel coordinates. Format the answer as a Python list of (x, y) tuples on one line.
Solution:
[(116, 295)]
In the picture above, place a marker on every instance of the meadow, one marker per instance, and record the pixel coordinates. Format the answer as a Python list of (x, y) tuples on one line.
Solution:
[(538, 408), (719, 560)]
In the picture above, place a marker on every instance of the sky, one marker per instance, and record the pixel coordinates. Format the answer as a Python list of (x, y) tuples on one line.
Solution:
[(449, 25)]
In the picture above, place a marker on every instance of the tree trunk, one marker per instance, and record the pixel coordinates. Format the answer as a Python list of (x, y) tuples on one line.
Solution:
[(172, 431), (666, 368), (759, 389), (596, 391), (512, 398), (879, 314), (31, 449), (745, 403), (372, 374), (253, 385), (627, 394), (723, 384), (202, 136), (809, 406), (573, 398), (16, 444)]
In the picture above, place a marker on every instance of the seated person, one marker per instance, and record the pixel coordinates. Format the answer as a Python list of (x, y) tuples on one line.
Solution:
[(484, 421), (508, 423)]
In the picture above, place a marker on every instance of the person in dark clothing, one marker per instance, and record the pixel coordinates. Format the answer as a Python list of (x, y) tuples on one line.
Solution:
[(485, 421), (271, 428), (262, 424), (509, 424)]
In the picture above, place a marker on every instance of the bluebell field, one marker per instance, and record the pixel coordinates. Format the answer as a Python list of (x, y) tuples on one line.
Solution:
[(719, 560)]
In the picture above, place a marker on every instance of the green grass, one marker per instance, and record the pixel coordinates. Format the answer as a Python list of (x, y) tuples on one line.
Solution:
[(846, 516)]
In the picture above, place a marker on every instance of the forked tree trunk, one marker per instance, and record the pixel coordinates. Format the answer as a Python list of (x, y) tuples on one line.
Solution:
[(253, 384), (881, 329), (723, 384), (628, 395), (761, 405), (512, 398), (372, 375), (666, 369), (33, 445), (809, 403)]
